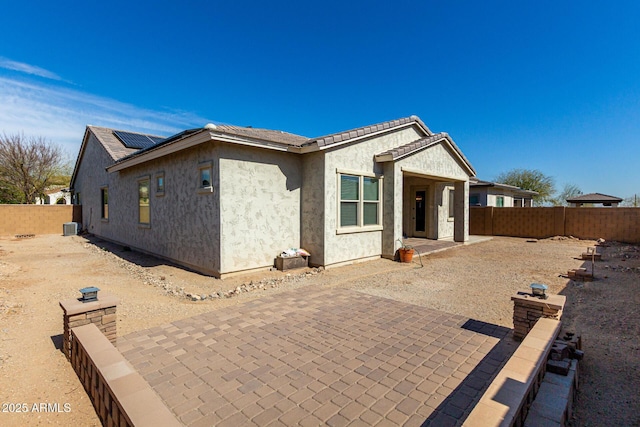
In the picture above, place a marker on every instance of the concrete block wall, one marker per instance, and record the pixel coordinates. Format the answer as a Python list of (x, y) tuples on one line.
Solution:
[(507, 400), (527, 310), (120, 396), (37, 219), (101, 313), (620, 224)]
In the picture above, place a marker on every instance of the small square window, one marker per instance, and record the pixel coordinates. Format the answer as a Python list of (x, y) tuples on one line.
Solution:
[(205, 177), (159, 184)]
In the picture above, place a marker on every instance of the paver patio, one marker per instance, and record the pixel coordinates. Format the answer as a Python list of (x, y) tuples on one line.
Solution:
[(320, 356)]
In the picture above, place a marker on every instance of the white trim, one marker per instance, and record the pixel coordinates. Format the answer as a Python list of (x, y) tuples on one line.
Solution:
[(357, 229)]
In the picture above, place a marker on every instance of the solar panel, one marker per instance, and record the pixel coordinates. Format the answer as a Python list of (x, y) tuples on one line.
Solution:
[(136, 140), (157, 139)]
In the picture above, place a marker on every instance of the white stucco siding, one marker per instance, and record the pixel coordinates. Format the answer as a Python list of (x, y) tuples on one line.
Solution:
[(184, 221), (357, 157), (260, 206), (492, 198)]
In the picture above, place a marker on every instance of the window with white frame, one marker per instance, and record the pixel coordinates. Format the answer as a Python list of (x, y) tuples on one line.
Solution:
[(359, 202), (205, 176), (499, 201)]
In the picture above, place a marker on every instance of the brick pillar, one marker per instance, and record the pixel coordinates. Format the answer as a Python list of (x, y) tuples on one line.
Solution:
[(527, 309), (102, 313)]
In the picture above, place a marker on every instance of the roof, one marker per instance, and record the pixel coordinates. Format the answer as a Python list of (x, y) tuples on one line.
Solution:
[(341, 137), (480, 183), (594, 198), (264, 134), (111, 143), (267, 138)]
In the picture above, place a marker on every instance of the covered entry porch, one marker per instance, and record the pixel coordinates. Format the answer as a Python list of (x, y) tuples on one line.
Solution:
[(434, 207)]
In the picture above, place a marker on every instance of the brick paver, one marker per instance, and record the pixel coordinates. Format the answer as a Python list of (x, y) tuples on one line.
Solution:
[(319, 355)]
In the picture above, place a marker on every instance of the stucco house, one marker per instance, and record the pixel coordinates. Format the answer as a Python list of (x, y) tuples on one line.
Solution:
[(224, 199), (55, 196), (486, 193)]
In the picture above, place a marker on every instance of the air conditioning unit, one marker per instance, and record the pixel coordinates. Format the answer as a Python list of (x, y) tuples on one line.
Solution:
[(70, 228)]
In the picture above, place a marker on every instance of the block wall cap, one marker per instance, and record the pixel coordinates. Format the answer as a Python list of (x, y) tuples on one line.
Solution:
[(74, 306), (553, 301)]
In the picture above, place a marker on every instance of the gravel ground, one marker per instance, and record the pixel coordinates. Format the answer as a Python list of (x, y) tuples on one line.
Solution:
[(475, 281)]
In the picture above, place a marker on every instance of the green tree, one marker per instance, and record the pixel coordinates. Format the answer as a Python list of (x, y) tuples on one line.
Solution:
[(530, 179), (28, 166), (568, 191)]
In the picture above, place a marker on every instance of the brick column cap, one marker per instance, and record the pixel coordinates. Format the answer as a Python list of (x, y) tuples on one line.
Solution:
[(75, 306), (553, 301)]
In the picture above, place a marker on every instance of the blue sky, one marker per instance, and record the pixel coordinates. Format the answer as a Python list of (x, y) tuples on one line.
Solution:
[(545, 85)]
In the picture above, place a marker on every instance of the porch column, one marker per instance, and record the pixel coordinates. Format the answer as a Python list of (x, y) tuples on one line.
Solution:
[(391, 209), (461, 211)]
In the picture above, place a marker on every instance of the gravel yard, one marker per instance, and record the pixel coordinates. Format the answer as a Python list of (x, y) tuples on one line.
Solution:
[(475, 281)]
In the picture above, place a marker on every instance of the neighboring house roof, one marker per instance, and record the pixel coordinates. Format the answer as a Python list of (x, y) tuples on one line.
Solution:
[(54, 190), (475, 182), (594, 198)]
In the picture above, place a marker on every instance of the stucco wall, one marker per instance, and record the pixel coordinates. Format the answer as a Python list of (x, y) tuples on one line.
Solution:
[(90, 177), (312, 207), (184, 223), (259, 205), (438, 161), (492, 198), (184, 220), (358, 157)]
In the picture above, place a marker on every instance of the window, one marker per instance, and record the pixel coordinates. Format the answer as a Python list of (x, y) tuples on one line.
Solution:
[(474, 200), (452, 204), (499, 201), (143, 201), (104, 196), (159, 184), (359, 201), (205, 177)]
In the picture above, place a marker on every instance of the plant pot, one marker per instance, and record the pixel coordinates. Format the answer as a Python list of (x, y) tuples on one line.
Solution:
[(406, 255)]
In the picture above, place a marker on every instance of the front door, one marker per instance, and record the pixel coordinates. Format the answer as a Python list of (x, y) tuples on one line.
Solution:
[(419, 211)]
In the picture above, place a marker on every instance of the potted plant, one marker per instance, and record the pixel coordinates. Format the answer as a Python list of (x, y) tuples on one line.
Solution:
[(405, 252)]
